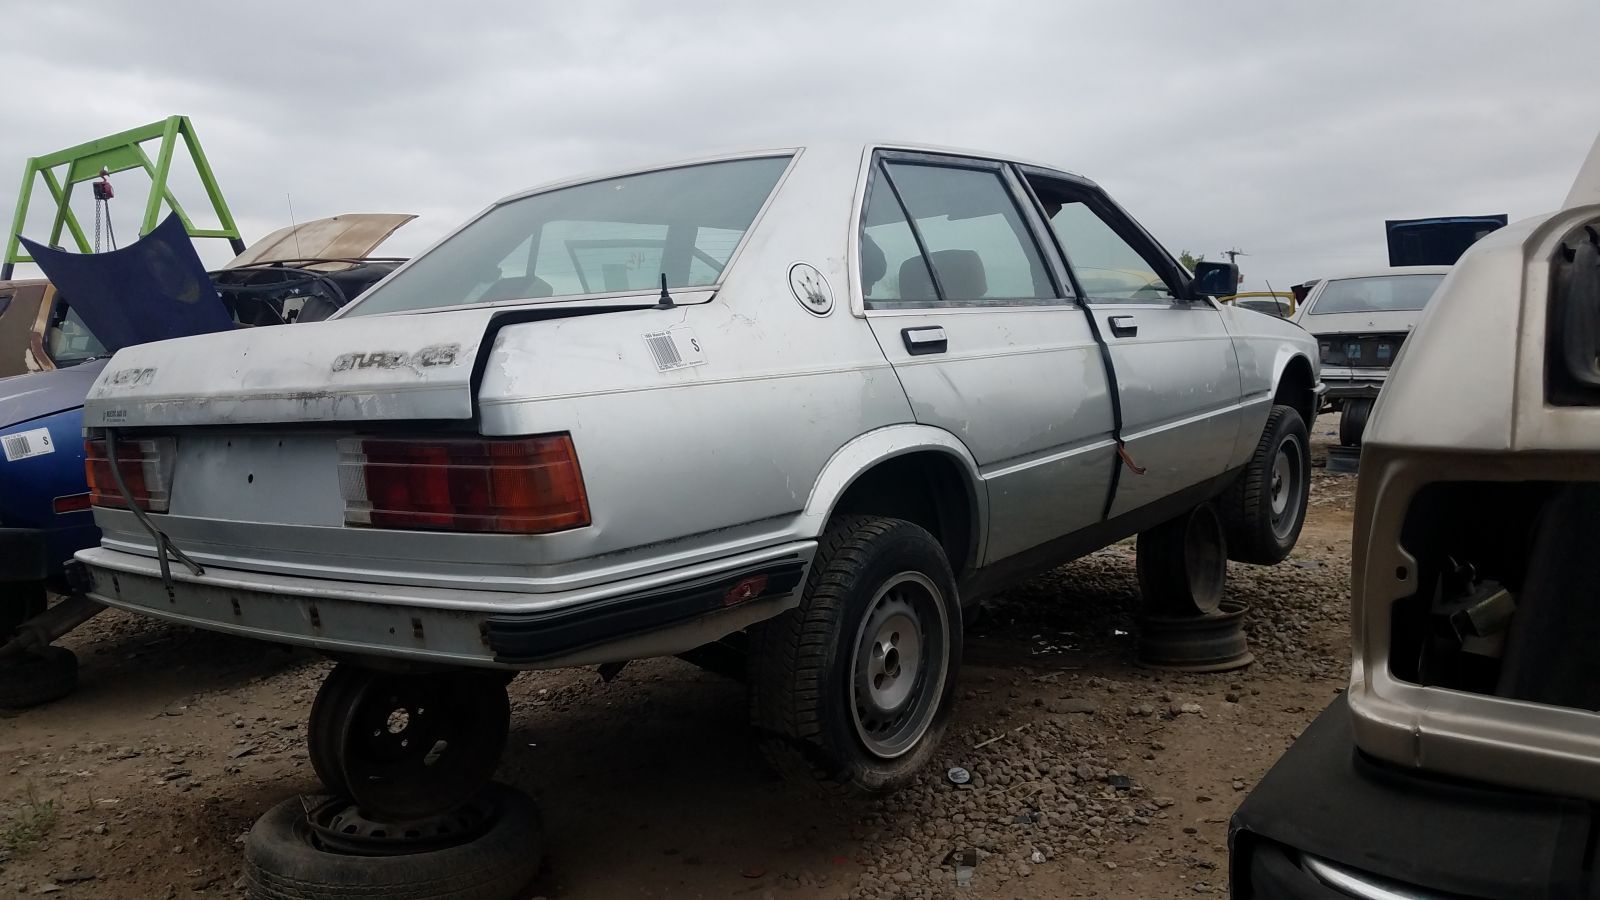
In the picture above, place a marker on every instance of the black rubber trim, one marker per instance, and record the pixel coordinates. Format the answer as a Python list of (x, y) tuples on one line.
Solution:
[(535, 636), (1113, 389), (23, 556), (1444, 835)]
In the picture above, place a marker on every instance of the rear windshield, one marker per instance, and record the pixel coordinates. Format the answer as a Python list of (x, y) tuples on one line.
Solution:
[(1380, 293), (602, 237)]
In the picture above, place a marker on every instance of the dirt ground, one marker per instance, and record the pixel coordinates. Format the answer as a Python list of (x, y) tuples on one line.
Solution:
[(1093, 777)]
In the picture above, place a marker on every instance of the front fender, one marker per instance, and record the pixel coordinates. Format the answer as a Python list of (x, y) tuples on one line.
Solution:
[(861, 453)]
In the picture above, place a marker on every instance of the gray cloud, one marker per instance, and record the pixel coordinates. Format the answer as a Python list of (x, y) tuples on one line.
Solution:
[(1290, 130)]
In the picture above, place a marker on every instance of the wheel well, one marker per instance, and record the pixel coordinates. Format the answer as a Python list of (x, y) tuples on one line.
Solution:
[(928, 488), (1296, 389)]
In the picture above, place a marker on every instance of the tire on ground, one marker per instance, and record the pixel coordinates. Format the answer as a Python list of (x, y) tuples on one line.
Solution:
[(1353, 420), (802, 683), (37, 676), (1254, 533), (282, 862)]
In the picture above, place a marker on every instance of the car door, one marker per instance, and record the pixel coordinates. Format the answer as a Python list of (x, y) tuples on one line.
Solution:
[(1176, 369), (987, 341)]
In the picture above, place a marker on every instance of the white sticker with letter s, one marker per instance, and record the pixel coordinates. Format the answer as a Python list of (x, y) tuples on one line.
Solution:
[(675, 348), (27, 444)]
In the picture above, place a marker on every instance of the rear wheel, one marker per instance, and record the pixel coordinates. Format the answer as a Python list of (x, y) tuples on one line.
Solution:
[(1353, 421), (855, 686), (1264, 510)]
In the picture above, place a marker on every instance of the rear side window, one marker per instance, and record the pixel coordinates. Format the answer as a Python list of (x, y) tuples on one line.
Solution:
[(946, 236), (604, 237)]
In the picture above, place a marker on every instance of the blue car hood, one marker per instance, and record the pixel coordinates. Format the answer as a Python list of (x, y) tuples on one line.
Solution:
[(27, 397), (151, 290)]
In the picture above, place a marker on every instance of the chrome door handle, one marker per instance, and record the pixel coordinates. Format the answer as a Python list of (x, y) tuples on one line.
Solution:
[(1123, 326), (920, 341)]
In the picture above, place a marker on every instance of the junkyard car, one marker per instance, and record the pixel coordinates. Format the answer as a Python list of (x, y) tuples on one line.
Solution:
[(1466, 760), (1360, 322), (830, 395)]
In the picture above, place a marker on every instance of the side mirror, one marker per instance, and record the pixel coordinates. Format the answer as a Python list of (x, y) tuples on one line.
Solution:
[(1214, 279)]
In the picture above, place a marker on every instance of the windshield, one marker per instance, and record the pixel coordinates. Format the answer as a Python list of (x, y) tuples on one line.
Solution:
[(71, 342), (1381, 293), (603, 237)]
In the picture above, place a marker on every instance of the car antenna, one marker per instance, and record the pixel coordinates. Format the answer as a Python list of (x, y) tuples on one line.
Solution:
[(666, 298)]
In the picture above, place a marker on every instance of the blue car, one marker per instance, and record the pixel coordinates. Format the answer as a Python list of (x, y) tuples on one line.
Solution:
[(44, 500)]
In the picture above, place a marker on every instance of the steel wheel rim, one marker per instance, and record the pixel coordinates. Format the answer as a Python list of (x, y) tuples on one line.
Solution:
[(898, 664), (1285, 494), (412, 746)]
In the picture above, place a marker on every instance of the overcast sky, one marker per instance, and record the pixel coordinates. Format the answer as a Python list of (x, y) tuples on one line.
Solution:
[(1290, 131)]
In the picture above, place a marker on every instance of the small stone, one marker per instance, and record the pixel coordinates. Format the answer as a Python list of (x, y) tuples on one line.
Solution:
[(1232, 697), (1024, 870), (1193, 709), (1238, 785), (1073, 705)]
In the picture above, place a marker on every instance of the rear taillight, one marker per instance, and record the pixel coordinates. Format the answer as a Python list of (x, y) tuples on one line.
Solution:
[(512, 485), (146, 466)]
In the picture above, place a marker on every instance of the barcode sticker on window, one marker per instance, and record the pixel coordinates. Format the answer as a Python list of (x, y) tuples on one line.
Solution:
[(25, 444), (675, 348)]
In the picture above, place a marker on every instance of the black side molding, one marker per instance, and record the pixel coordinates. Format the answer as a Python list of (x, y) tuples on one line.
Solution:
[(530, 637)]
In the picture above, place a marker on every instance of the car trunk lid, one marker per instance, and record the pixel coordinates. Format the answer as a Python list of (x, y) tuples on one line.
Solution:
[(405, 367)]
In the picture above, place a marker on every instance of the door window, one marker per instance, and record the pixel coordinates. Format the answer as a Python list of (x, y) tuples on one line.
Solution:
[(971, 230), (1109, 269)]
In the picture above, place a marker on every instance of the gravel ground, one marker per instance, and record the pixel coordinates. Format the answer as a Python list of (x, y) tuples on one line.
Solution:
[(1090, 776)]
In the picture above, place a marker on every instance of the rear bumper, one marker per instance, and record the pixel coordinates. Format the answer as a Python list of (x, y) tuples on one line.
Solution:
[(1350, 386), (1329, 823), (656, 615), (24, 554)]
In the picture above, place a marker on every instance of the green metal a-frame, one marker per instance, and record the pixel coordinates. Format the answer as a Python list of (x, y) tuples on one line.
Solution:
[(118, 153)]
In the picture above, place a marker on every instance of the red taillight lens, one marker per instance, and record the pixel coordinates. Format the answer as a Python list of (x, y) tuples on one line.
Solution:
[(146, 467), (517, 485)]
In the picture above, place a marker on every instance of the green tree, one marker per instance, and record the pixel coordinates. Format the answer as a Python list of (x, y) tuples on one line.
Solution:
[(1189, 259)]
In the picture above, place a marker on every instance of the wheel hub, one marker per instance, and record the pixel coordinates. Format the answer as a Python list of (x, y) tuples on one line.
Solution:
[(899, 664), (1285, 488)]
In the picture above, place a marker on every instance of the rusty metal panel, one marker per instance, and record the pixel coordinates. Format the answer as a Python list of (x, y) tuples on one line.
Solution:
[(350, 236), (17, 324)]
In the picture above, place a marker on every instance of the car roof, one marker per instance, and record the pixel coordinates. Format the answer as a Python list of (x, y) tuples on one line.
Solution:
[(1392, 270), (836, 148)]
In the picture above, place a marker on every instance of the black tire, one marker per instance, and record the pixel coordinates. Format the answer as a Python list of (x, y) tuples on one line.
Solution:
[(1183, 564), (37, 676), (823, 724), (1256, 531), (283, 863), (1353, 421), (19, 602)]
